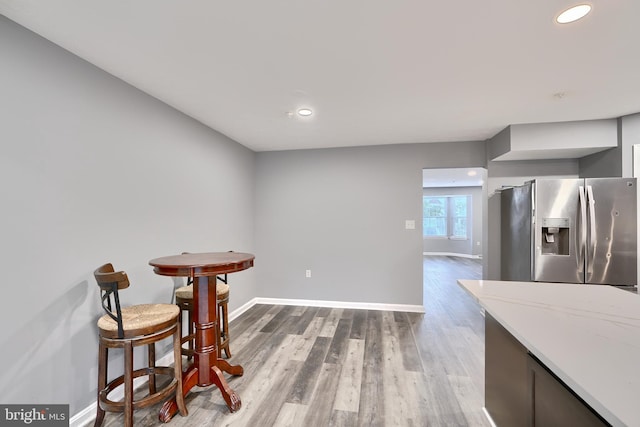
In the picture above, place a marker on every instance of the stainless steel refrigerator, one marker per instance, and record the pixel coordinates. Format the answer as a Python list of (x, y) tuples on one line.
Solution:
[(570, 230)]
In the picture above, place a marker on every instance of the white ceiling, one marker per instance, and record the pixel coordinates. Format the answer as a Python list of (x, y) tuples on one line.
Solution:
[(374, 71)]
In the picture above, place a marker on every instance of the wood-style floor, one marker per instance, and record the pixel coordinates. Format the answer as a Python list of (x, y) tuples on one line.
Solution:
[(308, 366)]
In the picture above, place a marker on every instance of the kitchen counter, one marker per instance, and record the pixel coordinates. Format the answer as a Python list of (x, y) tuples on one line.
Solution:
[(587, 335)]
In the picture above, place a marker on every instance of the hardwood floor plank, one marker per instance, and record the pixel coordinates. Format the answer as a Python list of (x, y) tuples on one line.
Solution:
[(348, 313), (291, 414), (302, 347), (264, 382), (396, 402), (256, 313), (371, 408), (306, 318), (306, 379), (407, 342), (359, 325), (470, 355), (298, 323), (349, 385), (419, 405), (319, 413), (239, 341), (444, 408), (471, 402), (324, 311), (278, 319), (338, 348), (257, 349), (298, 310), (343, 419), (267, 412), (331, 323)]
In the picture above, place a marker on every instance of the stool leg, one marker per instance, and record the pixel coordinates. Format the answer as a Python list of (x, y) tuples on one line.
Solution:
[(190, 331), (102, 380), (177, 366), (128, 384), (152, 364), (181, 320), (219, 334), (224, 330)]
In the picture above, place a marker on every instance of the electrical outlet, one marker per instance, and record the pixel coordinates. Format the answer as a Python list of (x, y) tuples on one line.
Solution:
[(307, 273)]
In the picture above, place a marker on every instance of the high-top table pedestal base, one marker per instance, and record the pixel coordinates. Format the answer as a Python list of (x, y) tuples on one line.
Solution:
[(207, 369)]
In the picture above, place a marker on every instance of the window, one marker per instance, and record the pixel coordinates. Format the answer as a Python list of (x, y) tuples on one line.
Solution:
[(434, 216), (445, 216)]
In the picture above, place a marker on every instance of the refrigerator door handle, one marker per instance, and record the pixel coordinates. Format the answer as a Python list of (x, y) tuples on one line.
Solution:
[(582, 240), (592, 230)]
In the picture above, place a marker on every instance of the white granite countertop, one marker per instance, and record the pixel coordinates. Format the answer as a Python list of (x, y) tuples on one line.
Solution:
[(588, 335)]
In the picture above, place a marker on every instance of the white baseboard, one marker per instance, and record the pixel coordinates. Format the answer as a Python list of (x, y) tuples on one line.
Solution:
[(486, 414), (84, 417), (88, 414), (452, 254), (342, 304), (238, 311)]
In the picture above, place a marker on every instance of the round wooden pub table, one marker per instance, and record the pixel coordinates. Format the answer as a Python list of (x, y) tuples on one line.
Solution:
[(206, 368)]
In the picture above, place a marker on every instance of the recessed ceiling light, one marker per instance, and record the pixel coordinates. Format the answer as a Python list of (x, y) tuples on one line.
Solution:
[(305, 112), (573, 14)]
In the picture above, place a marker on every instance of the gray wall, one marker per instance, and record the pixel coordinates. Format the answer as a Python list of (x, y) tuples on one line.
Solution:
[(473, 244), (605, 163), (616, 161), (341, 213), (629, 136), (94, 171), (558, 140)]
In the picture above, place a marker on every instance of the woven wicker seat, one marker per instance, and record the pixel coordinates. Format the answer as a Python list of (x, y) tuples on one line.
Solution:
[(184, 300), (129, 327), (138, 318), (186, 292)]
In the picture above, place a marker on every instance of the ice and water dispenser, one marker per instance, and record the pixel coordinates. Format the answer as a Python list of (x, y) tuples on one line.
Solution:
[(555, 236)]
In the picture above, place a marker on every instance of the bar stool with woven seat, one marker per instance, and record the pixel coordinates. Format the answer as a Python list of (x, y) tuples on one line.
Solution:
[(129, 327), (184, 300)]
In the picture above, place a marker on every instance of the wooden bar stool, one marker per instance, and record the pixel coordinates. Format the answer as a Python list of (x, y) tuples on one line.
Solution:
[(184, 300), (129, 327)]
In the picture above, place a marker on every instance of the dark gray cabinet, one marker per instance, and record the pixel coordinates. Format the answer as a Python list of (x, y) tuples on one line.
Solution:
[(520, 391), (553, 404), (506, 376)]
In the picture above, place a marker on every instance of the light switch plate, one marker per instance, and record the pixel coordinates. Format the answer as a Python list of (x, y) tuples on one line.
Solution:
[(410, 224)]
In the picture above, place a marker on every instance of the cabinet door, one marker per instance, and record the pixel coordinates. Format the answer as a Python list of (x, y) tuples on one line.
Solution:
[(554, 405), (506, 389)]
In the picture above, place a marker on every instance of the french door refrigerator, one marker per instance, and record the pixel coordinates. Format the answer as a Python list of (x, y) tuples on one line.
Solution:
[(570, 230)]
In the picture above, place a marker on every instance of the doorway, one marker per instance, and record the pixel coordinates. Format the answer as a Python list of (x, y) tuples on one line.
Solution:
[(453, 225)]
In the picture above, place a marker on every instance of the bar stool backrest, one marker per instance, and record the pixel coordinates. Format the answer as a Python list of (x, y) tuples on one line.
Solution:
[(110, 282)]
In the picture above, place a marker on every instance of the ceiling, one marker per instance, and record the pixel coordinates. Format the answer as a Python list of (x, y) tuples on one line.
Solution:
[(374, 72)]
